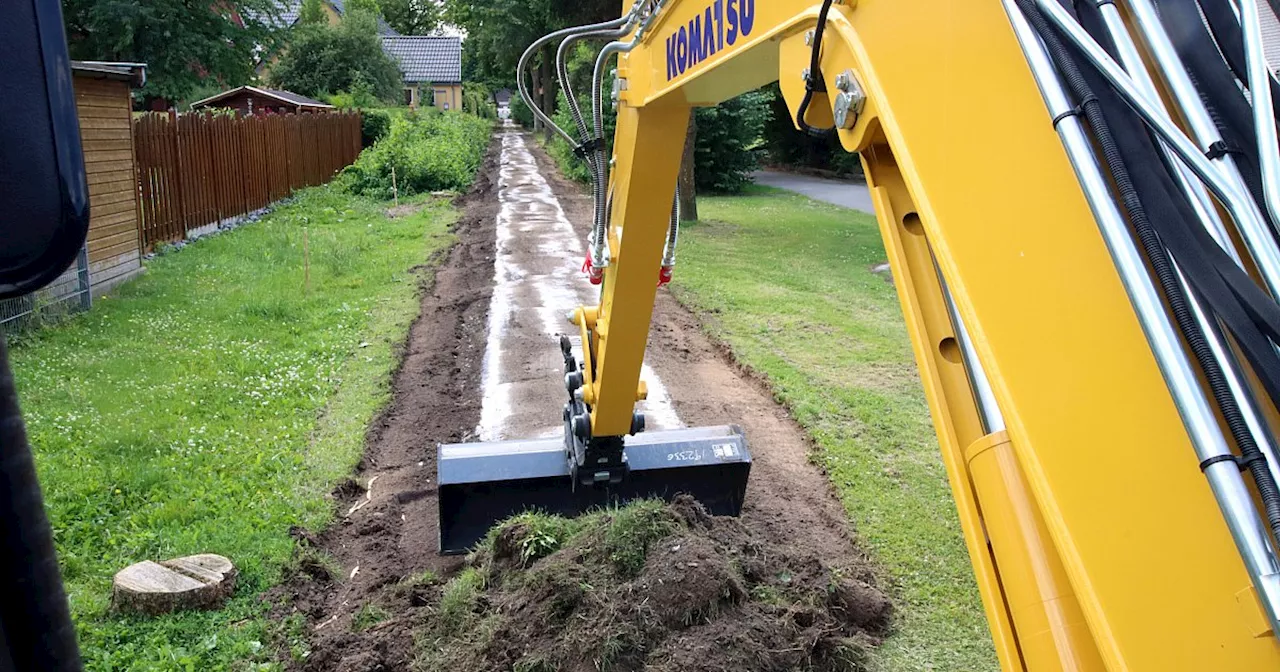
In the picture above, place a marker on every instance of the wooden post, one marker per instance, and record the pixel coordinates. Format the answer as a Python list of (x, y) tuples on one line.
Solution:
[(395, 192)]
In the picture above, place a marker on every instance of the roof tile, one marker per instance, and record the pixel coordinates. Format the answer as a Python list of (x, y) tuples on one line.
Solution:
[(434, 58)]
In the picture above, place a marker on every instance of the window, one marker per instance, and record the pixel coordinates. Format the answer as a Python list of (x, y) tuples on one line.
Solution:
[(408, 96)]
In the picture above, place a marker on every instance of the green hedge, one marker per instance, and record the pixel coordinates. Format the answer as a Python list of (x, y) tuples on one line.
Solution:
[(374, 126), (430, 151)]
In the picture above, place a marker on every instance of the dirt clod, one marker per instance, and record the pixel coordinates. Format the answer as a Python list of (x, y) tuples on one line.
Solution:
[(691, 608)]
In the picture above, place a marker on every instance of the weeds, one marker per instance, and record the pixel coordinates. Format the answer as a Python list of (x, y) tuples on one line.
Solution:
[(368, 616), (428, 150), (459, 600), (633, 529)]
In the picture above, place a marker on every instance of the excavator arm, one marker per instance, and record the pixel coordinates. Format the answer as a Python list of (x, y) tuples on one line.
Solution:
[(1110, 512)]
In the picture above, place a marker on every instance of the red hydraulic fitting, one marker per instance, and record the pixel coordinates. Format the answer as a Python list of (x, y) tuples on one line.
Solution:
[(594, 274), (664, 275)]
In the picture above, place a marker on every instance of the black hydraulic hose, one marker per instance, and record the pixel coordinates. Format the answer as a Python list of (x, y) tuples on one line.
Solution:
[(1221, 94), (35, 622), (1160, 261), (815, 82), (1229, 36)]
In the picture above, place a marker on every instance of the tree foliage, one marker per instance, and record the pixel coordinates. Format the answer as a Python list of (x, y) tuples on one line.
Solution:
[(312, 13), (787, 146), (347, 57), (183, 43), (730, 142), (728, 146), (412, 17), (498, 31), (367, 6)]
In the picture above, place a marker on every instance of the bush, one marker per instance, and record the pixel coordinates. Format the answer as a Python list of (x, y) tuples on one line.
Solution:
[(573, 165), (374, 125), (430, 151), (730, 143), (787, 146), (520, 113), (477, 99), (360, 96)]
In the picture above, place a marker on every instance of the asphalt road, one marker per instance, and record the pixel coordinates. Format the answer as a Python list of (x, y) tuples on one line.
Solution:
[(839, 192)]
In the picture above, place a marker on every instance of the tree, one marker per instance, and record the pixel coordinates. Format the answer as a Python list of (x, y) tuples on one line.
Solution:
[(498, 32), (730, 142), (347, 57), (412, 17), (312, 13), (368, 6), (184, 43), (687, 182)]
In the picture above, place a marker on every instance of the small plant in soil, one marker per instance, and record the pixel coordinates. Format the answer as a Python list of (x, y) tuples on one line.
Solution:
[(368, 616), (314, 564)]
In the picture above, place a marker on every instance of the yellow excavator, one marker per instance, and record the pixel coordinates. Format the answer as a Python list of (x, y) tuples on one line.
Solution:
[(1079, 201)]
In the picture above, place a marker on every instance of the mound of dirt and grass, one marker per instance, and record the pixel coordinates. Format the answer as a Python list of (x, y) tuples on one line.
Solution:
[(648, 587)]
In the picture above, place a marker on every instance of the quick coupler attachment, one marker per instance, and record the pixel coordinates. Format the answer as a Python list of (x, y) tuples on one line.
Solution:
[(481, 484)]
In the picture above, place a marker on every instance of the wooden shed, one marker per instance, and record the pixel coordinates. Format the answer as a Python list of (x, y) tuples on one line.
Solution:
[(255, 100), (106, 133)]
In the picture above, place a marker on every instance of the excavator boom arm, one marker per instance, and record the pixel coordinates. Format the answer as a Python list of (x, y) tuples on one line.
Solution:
[(1096, 541)]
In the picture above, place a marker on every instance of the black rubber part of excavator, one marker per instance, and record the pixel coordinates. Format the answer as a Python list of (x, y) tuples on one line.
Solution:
[(1161, 216)]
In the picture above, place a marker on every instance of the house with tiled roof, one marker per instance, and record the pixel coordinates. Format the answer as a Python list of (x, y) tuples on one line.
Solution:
[(431, 66)]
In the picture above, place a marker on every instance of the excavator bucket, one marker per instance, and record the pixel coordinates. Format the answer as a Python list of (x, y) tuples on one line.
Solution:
[(481, 484)]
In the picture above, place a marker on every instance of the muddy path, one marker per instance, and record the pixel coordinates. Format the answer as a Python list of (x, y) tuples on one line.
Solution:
[(362, 611)]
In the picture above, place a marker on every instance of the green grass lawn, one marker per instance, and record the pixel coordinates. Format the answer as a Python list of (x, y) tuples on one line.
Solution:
[(786, 282), (213, 403)]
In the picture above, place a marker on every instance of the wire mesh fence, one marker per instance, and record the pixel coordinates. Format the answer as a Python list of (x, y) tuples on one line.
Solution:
[(70, 293)]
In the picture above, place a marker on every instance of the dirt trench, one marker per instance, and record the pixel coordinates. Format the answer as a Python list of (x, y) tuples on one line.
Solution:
[(364, 614)]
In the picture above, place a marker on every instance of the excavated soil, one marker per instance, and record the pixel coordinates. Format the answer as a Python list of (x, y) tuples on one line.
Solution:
[(783, 587), (706, 594)]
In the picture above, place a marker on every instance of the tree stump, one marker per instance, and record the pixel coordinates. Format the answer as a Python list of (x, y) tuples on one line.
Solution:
[(202, 581)]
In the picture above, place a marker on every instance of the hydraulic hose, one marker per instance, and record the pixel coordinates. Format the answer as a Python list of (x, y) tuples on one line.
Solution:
[(600, 246), (673, 233), (814, 81), (522, 66), (1161, 264)]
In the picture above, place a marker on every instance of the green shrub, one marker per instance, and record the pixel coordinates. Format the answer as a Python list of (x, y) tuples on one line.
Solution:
[(374, 125), (430, 151), (573, 165), (520, 113), (730, 143), (787, 146)]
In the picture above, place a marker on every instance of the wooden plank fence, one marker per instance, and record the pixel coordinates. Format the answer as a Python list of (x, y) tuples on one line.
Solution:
[(195, 170)]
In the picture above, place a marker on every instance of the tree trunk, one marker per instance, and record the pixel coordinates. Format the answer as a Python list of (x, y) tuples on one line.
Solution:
[(535, 78), (548, 87), (688, 187)]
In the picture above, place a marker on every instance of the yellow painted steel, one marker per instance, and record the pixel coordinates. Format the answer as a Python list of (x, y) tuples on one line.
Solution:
[(648, 159), (1093, 535), (1052, 632)]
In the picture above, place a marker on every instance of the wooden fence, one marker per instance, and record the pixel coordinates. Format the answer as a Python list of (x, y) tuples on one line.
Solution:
[(198, 169)]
